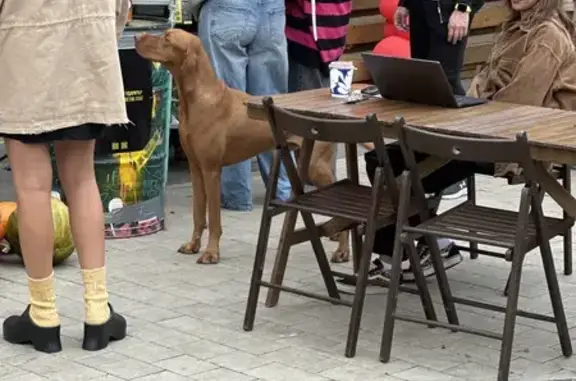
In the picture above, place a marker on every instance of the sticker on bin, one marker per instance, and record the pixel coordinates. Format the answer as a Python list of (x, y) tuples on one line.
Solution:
[(341, 74)]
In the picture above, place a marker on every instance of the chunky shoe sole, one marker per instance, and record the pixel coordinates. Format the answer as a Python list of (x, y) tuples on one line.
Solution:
[(97, 337), (22, 330)]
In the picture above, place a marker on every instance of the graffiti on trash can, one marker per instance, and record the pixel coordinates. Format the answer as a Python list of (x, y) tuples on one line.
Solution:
[(133, 190)]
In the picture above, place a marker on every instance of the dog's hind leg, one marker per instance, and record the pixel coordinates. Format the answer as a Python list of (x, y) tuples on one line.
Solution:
[(320, 173), (198, 211), (212, 188)]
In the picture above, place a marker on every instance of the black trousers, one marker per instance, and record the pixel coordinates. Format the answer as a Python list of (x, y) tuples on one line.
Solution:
[(429, 38), (449, 174)]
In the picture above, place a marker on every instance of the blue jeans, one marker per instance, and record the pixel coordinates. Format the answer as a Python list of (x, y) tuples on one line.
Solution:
[(247, 47)]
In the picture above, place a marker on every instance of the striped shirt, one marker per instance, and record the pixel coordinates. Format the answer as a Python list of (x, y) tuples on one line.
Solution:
[(316, 30)]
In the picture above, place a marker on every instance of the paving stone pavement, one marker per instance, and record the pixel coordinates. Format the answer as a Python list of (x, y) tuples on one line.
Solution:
[(185, 320)]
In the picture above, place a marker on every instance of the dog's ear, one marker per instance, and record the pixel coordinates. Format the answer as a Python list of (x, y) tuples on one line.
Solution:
[(184, 44)]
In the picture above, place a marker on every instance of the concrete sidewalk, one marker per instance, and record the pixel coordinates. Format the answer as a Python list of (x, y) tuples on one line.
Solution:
[(185, 320)]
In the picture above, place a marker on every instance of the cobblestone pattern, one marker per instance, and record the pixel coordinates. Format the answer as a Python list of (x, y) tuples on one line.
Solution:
[(185, 320)]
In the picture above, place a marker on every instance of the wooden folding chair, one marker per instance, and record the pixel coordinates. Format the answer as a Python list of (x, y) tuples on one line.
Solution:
[(371, 207), (519, 232), (560, 172)]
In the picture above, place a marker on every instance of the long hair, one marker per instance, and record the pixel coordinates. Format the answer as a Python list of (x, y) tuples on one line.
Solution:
[(543, 10)]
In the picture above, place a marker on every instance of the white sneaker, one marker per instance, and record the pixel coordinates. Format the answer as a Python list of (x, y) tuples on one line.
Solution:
[(455, 191)]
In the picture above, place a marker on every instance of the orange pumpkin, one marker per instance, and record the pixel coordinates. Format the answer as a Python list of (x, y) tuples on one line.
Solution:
[(6, 210)]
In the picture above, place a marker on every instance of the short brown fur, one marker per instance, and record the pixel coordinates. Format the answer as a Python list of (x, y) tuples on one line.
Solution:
[(215, 131)]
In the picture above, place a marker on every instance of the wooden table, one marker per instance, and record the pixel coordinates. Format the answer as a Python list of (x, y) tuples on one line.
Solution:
[(552, 132)]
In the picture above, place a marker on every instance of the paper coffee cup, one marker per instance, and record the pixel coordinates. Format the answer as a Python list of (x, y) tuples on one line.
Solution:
[(341, 74)]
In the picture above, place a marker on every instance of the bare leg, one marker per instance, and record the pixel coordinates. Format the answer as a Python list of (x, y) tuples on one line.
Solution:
[(75, 161), (198, 211), (212, 186), (32, 175)]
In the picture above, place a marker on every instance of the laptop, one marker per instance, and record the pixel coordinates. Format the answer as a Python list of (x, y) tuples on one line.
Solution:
[(414, 80)]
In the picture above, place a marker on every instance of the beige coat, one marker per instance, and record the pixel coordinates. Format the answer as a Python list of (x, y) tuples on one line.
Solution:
[(532, 66), (59, 64)]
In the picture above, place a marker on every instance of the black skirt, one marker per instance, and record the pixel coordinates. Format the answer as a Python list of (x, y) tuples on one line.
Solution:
[(87, 131)]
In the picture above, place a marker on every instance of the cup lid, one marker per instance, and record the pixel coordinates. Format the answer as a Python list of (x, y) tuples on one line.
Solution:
[(342, 65)]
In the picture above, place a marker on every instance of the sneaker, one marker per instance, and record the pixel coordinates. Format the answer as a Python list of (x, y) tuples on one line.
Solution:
[(377, 273), (455, 191), (377, 270), (450, 257)]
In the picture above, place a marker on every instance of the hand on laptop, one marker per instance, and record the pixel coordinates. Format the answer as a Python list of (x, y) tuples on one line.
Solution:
[(458, 26), (401, 19)]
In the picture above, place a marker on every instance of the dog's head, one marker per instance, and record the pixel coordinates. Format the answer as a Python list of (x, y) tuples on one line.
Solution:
[(175, 49)]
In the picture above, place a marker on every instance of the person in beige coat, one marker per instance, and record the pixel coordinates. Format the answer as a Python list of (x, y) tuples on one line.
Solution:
[(62, 84)]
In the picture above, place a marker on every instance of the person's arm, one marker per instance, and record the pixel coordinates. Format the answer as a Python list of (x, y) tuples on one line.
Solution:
[(534, 75), (478, 84)]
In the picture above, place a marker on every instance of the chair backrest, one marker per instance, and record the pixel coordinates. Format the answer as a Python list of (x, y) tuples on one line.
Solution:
[(480, 150), (327, 130), (351, 132), (416, 139)]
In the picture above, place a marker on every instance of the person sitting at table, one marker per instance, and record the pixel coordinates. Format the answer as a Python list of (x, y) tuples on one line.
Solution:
[(533, 62)]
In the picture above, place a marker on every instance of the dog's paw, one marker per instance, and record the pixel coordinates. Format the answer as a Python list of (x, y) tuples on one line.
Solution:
[(208, 258), (190, 248), (340, 256)]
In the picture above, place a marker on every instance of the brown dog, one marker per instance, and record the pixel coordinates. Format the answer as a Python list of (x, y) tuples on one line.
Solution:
[(215, 131)]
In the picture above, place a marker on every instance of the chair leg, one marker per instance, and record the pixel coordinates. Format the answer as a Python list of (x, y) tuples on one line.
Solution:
[(551, 277), (320, 254), (392, 300), (510, 318), (507, 285), (567, 183), (356, 249), (258, 270), (360, 292), (471, 190), (556, 298), (281, 261), (442, 279), (420, 281), (568, 252)]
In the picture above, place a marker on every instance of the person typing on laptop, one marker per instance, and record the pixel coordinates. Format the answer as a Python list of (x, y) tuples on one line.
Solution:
[(533, 62)]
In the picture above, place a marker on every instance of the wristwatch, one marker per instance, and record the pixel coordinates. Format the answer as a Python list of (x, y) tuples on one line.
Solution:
[(463, 8)]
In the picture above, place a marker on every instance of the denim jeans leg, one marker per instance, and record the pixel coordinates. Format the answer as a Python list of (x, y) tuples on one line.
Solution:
[(226, 28), (284, 190), (268, 72)]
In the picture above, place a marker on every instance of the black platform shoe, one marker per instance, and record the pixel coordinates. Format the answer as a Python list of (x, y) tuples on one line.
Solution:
[(97, 337), (22, 330)]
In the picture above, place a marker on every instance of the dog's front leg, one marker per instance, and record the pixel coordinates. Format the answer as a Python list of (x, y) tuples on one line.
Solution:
[(212, 188), (198, 211)]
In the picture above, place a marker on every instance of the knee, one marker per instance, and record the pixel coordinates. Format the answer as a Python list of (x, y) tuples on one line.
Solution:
[(73, 177), (28, 184), (34, 181)]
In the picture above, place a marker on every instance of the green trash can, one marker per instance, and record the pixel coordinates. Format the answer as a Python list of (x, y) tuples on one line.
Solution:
[(132, 183)]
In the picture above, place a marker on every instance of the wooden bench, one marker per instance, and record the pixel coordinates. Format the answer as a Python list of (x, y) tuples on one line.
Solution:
[(367, 29)]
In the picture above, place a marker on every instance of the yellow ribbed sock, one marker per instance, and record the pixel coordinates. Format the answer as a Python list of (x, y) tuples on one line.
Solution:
[(43, 310), (95, 296)]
